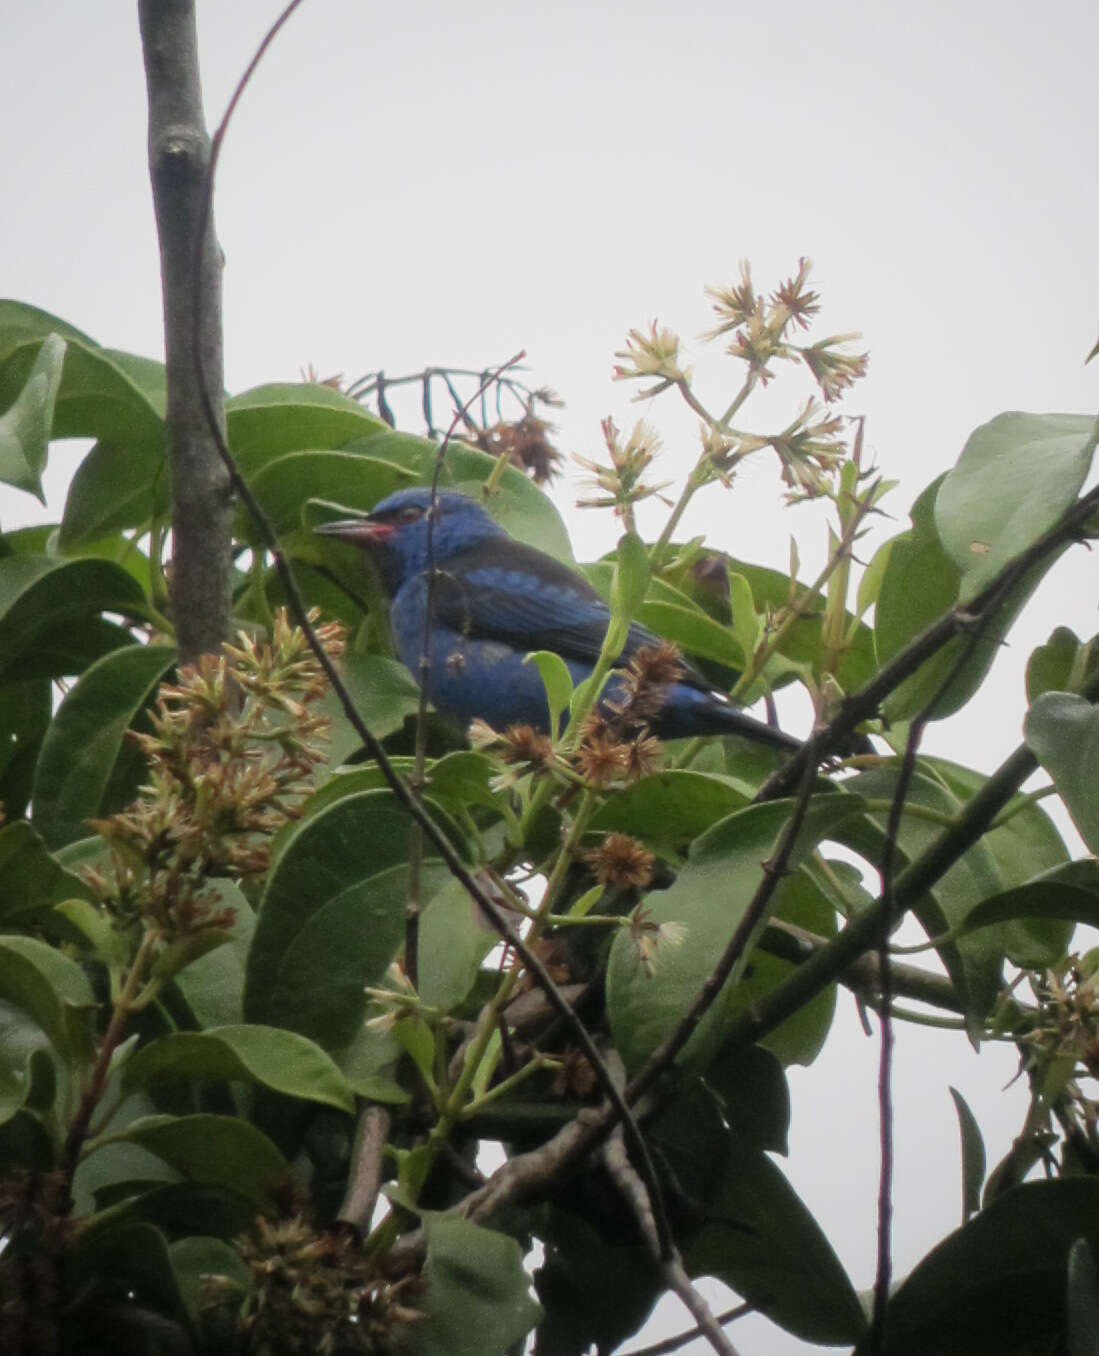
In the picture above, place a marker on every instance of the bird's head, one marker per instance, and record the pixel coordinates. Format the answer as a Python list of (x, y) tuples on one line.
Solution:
[(396, 534)]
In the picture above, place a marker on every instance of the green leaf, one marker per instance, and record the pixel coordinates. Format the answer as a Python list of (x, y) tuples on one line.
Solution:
[(671, 809), (199, 1260), (958, 1298), (454, 938), (755, 1097), (694, 632), (594, 1292), (213, 1151), (40, 595), (1062, 730), (33, 881), (384, 694), (762, 1241), (1016, 476), (52, 990), (85, 739), (1050, 666), (650, 987), (285, 484), (280, 1060), (131, 1264), (25, 710), (331, 919), (476, 1300), (973, 1156), (556, 679), (1043, 901), (122, 478), (25, 425), (212, 986), (747, 627), (268, 421)]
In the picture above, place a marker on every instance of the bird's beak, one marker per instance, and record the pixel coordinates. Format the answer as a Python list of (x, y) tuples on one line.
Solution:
[(357, 531)]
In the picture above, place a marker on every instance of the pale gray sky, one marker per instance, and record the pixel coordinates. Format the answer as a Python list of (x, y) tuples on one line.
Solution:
[(430, 183)]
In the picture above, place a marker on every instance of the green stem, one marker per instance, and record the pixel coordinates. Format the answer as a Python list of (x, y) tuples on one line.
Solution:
[(506, 1085)]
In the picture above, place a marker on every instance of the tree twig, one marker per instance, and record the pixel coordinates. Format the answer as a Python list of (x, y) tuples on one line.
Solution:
[(365, 1177)]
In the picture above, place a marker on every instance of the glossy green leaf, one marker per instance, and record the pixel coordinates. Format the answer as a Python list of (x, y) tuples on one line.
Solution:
[(1016, 476), (33, 881), (39, 594), (268, 421), (693, 632), (800, 1038), (454, 938), (670, 809), (384, 694), (1062, 729), (217, 1151), (763, 1242), (25, 426), (280, 1060), (651, 984), (85, 738), (958, 1299), (212, 986), (119, 482), (286, 483), (747, 627), (973, 1156), (557, 681), (331, 918), (1041, 902), (23, 1078), (1050, 666), (51, 989), (476, 1299), (20, 323)]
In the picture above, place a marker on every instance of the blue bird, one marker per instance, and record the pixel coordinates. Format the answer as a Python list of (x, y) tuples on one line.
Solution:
[(494, 600)]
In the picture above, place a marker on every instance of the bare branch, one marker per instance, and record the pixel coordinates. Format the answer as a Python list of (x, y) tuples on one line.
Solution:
[(365, 1177)]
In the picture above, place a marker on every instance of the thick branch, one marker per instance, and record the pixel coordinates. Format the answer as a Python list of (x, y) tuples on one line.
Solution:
[(190, 266)]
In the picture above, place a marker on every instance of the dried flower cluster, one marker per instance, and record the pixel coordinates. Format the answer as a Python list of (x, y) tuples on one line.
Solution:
[(231, 757), (314, 1292), (525, 443)]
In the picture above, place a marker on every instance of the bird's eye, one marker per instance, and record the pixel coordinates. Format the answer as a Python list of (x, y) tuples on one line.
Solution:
[(410, 514)]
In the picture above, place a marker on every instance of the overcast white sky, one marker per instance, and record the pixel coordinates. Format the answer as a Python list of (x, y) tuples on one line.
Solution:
[(431, 183)]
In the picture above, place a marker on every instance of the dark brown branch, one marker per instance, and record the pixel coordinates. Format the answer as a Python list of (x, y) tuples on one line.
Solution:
[(190, 267)]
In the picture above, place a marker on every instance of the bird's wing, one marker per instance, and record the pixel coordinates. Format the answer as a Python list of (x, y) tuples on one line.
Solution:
[(505, 591)]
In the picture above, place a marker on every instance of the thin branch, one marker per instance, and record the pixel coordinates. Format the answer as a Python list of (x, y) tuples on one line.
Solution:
[(865, 704), (631, 1189), (681, 1339), (190, 267), (365, 1177)]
